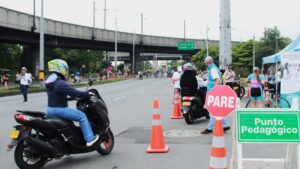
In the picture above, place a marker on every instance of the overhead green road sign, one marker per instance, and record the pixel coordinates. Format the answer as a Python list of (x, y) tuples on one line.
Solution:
[(186, 46), (268, 125)]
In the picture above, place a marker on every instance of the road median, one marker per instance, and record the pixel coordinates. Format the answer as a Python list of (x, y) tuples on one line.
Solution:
[(15, 90)]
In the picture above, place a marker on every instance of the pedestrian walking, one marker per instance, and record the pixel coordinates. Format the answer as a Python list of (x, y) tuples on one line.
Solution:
[(25, 81), (5, 79), (214, 78)]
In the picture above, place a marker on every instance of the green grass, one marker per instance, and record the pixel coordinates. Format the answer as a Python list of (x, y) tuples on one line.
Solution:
[(34, 89)]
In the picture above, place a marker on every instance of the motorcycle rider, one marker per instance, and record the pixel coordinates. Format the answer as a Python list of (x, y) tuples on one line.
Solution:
[(188, 80), (57, 90), (214, 78)]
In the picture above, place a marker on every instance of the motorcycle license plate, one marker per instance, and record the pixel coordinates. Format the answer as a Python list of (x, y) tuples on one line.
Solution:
[(235, 88), (186, 103), (14, 134)]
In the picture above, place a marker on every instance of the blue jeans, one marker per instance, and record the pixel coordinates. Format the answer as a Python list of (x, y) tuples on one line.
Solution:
[(24, 89), (73, 115), (212, 123)]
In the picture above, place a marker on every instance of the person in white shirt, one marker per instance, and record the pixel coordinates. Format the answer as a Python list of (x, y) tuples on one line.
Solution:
[(25, 80), (176, 79)]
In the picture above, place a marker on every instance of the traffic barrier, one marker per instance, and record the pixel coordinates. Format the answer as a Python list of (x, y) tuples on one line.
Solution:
[(238, 162), (157, 144), (218, 153), (177, 107)]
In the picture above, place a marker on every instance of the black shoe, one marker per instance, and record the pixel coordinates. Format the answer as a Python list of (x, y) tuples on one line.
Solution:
[(206, 131), (226, 128)]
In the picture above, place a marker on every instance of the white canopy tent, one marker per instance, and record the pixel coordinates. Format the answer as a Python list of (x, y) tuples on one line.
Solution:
[(292, 47)]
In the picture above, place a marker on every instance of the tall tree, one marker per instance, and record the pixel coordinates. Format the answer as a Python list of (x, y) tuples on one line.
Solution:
[(242, 55), (271, 43), (10, 55), (199, 57)]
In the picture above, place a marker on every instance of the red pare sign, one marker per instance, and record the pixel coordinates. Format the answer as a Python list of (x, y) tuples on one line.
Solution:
[(221, 101)]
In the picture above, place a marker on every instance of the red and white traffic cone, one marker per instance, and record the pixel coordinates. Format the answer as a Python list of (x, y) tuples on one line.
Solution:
[(248, 92), (177, 107), (157, 138), (218, 152)]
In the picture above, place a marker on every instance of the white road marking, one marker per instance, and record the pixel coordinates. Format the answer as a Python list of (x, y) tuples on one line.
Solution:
[(141, 91), (119, 98)]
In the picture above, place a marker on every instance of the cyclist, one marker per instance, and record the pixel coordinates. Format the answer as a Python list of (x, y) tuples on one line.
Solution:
[(256, 81)]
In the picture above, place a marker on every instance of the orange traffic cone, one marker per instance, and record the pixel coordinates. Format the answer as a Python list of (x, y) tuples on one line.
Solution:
[(157, 138), (218, 153), (177, 107), (248, 92)]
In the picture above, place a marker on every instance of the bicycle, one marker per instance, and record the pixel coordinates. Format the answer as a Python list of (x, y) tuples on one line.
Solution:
[(273, 100)]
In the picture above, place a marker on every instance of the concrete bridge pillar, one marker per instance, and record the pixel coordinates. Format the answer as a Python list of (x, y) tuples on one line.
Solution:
[(137, 61), (30, 59)]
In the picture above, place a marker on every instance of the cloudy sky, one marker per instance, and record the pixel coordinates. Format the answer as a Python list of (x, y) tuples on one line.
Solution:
[(166, 17)]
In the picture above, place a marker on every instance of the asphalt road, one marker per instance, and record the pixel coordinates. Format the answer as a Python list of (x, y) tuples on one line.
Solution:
[(130, 105)]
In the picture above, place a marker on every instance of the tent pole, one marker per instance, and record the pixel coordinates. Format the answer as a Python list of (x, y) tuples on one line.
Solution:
[(276, 79)]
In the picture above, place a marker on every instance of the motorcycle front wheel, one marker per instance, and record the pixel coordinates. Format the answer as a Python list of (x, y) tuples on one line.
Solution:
[(28, 158), (107, 145)]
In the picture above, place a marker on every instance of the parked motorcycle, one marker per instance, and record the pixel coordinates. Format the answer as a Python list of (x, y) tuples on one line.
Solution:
[(193, 106), (238, 89), (40, 138)]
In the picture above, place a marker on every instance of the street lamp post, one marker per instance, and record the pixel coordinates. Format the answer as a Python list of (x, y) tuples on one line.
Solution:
[(33, 19), (104, 20), (133, 51), (41, 73), (276, 48), (116, 44), (184, 30), (253, 50), (207, 53), (142, 27), (94, 11)]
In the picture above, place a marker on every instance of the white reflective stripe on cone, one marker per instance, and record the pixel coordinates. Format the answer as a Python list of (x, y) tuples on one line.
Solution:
[(216, 162), (218, 142), (155, 112), (156, 122)]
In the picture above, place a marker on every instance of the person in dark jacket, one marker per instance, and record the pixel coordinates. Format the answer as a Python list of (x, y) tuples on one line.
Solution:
[(57, 90), (188, 80)]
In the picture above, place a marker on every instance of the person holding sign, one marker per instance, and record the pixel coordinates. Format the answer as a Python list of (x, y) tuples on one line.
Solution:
[(213, 78), (256, 83)]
